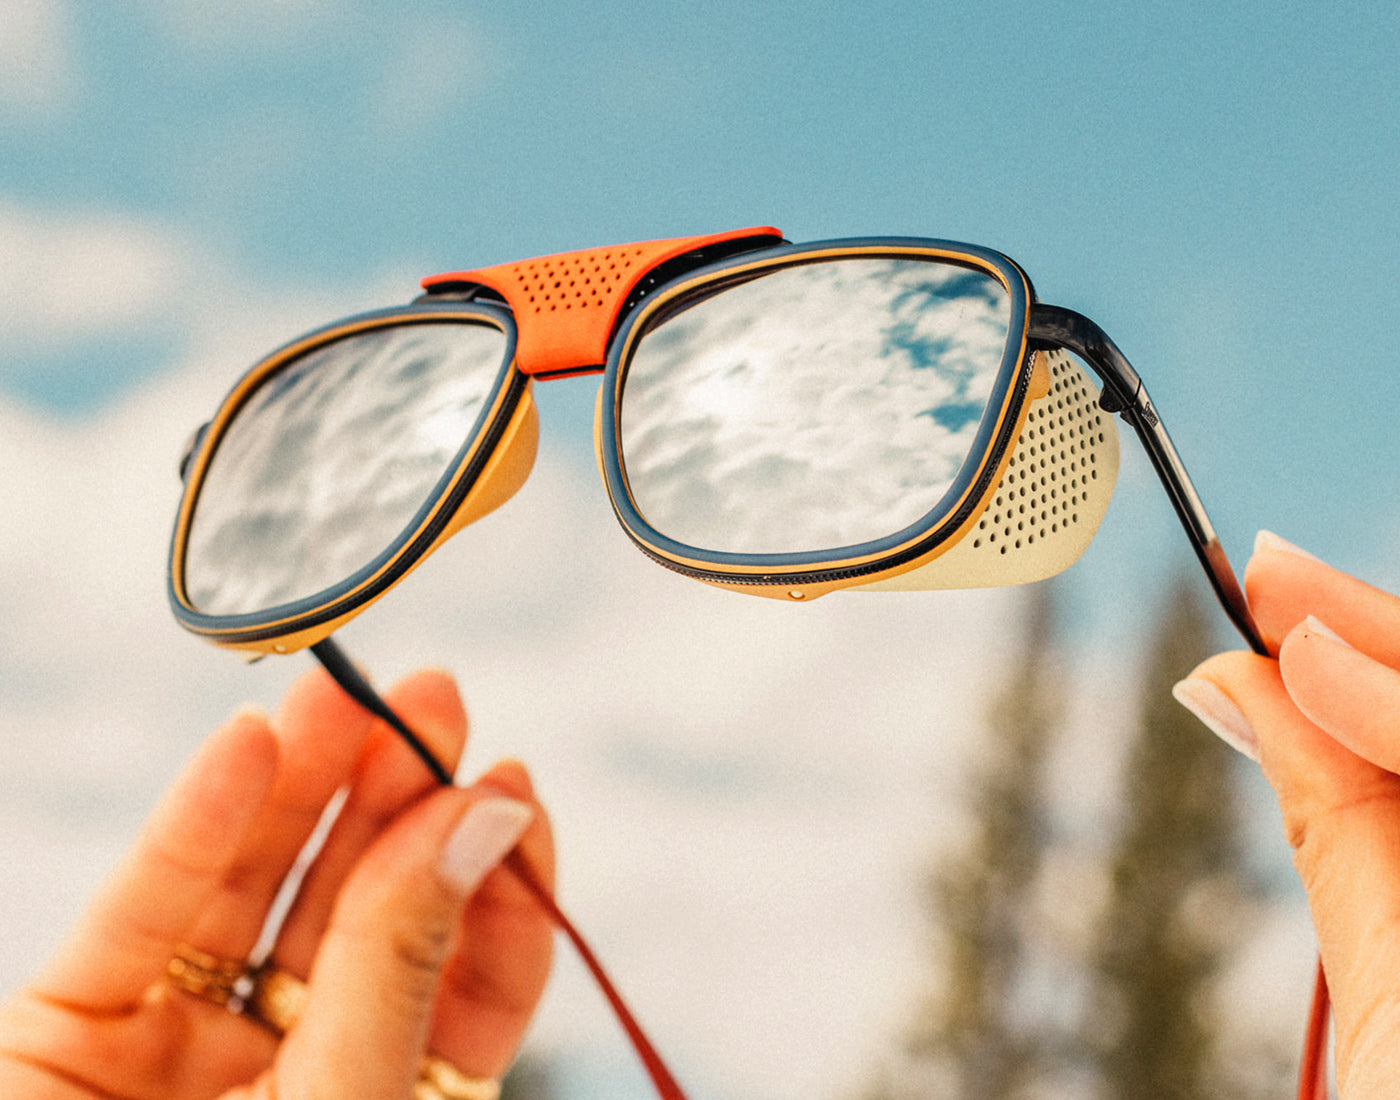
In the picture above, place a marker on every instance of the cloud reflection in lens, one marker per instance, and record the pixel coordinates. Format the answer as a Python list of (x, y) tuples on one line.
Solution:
[(817, 407), (331, 458)]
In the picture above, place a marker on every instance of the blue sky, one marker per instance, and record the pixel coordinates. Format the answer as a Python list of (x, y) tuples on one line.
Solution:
[(184, 185), (1213, 183)]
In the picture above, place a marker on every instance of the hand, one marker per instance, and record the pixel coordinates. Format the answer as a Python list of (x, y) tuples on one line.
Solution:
[(1323, 720), (410, 936)]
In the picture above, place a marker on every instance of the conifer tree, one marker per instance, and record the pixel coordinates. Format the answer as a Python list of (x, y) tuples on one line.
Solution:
[(530, 1078), (1177, 896), (965, 1042), (1176, 887)]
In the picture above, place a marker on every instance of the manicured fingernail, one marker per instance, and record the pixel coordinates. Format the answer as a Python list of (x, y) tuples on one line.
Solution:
[(1217, 711), (1317, 626), (486, 833), (1267, 540)]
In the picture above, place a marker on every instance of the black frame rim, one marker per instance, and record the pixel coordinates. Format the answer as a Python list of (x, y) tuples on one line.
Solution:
[(421, 531), (839, 563)]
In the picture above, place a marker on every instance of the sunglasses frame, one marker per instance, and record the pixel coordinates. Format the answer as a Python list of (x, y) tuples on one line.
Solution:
[(504, 436), (1124, 393), (496, 456), (800, 576)]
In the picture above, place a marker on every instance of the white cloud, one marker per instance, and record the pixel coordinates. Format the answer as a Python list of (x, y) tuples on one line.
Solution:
[(265, 24), (74, 278), (430, 66), (745, 790), (628, 688), (40, 73), (69, 274)]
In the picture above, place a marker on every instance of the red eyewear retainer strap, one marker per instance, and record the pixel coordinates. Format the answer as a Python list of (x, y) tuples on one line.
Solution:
[(344, 673), (656, 1068), (1312, 1073)]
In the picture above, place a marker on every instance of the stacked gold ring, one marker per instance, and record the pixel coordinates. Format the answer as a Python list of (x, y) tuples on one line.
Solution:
[(274, 999)]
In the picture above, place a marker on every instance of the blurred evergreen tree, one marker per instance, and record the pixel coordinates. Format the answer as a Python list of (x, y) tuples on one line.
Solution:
[(530, 1078), (966, 1041), (1177, 891), (1136, 1015)]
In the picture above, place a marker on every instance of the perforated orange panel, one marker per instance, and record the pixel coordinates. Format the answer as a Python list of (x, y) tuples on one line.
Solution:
[(565, 305)]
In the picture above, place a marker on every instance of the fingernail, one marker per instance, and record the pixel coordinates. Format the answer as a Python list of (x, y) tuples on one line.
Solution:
[(1218, 713), (486, 833), (1267, 540), (1317, 626)]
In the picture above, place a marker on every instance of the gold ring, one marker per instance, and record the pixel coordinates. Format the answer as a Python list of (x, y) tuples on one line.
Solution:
[(224, 982), (439, 1079), (275, 1000)]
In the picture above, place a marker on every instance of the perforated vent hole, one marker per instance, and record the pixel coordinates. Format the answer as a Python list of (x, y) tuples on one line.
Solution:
[(577, 280), (1052, 474)]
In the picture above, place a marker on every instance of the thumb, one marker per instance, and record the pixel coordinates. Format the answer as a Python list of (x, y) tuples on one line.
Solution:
[(371, 992), (1341, 813)]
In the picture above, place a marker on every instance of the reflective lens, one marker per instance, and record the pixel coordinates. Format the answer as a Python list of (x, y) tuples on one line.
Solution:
[(816, 407), (331, 459)]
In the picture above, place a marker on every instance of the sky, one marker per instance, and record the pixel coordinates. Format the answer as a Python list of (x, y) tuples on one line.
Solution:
[(184, 186)]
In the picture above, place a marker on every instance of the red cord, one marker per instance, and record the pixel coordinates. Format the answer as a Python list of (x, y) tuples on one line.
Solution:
[(344, 672), (656, 1069), (1312, 1073)]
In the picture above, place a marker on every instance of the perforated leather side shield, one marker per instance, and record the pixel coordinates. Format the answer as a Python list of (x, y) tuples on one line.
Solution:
[(1053, 493)]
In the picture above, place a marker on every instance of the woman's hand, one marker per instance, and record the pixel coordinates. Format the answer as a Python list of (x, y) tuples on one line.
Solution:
[(409, 935), (1323, 720)]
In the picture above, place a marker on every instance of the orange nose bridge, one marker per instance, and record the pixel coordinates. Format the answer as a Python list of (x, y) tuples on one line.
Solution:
[(566, 305)]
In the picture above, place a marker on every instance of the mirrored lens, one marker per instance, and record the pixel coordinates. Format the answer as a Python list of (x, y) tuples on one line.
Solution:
[(817, 407), (331, 458)]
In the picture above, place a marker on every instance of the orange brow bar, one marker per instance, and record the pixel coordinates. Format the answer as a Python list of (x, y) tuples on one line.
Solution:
[(566, 305)]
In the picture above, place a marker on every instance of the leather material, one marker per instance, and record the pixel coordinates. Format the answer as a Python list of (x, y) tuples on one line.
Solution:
[(567, 305)]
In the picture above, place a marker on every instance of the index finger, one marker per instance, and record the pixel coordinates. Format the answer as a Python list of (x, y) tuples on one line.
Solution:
[(504, 949), (1285, 585), (122, 943)]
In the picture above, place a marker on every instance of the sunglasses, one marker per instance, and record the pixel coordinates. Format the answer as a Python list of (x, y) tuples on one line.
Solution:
[(779, 419)]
